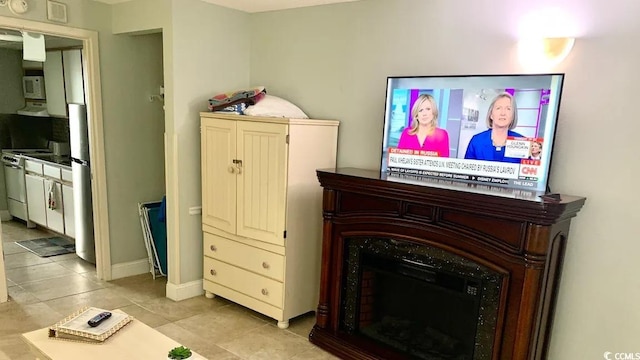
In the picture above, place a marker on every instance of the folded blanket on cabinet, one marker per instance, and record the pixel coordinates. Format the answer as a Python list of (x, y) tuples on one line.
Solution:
[(247, 96)]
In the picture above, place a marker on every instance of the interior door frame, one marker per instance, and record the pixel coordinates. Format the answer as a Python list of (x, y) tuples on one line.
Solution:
[(93, 98)]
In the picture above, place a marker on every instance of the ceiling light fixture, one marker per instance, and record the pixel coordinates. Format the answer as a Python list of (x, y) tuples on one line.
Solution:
[(544, 53)]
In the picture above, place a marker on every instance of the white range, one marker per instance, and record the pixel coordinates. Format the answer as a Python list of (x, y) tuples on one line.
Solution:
[(13, 161)]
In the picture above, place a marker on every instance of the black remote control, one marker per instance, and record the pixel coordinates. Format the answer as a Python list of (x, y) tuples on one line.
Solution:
[(96, 320)]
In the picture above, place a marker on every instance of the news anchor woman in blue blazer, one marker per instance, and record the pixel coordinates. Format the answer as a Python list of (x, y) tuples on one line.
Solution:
[(490, 144)]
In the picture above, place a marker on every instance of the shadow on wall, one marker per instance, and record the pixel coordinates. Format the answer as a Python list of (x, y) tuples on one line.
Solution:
[(24, 132)]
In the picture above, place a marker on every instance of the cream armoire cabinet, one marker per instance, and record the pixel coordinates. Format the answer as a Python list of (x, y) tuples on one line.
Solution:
[(262, 210)]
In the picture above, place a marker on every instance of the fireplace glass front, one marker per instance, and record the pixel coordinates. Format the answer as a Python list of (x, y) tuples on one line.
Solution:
[(421, 301)]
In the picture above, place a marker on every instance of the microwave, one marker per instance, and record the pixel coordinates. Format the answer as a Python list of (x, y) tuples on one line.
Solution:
[(33, 87)]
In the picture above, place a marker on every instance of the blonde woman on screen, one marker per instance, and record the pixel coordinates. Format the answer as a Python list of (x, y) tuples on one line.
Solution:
[(423, 133), (536, 151)]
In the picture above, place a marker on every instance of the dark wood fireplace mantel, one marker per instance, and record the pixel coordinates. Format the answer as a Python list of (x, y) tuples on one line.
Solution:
[(515, 234)]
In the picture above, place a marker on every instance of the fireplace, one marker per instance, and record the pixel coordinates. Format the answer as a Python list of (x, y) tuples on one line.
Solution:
[(414, 272), (419, 300)]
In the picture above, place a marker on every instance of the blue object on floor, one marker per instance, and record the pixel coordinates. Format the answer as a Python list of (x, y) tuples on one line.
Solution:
[(162, 214), (159, 233)]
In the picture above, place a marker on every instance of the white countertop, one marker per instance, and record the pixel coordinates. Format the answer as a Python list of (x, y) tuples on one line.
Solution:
[(61, 161)]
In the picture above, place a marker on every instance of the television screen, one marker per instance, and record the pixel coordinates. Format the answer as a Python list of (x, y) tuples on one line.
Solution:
[(495, 130)]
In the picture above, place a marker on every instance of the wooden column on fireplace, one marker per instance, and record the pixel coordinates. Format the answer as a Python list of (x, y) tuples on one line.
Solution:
[(515, 234)]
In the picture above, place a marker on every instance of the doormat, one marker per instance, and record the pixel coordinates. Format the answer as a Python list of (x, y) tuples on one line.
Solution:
[(46, 247)]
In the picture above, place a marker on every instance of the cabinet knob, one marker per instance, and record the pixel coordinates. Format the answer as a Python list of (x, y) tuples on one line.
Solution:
[(238, 166), (231, 169), (265, 265), (265, 292), (213, 272), (213, 248)]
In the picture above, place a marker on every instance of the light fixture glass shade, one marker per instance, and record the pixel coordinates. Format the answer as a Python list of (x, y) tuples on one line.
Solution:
[(544, 53)]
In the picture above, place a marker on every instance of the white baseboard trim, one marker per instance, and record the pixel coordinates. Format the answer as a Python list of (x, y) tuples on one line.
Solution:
[(5, 216), (138, 267), (184, 291)]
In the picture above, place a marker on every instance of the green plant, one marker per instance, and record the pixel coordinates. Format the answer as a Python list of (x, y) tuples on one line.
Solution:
[(179, 353)]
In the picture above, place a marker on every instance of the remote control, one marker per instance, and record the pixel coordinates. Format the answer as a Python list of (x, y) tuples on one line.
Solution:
[(96, 320)]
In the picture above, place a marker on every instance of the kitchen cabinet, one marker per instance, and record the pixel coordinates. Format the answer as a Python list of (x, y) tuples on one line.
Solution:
[(53, 192), (261, 210), (54, 84), (36, 203), (64, 82), (73, 79), (44, 182)]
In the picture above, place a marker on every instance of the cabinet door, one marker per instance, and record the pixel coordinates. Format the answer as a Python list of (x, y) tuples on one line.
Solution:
[(55, 217), (36, 205), (54, 84), (262, 148), (73, 80), (219, 174), (69, 215)]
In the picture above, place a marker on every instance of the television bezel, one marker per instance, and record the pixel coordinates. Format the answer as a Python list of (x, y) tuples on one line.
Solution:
[(472, 185)]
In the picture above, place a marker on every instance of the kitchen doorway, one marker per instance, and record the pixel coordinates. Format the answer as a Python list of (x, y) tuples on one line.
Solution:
[(93, 98)]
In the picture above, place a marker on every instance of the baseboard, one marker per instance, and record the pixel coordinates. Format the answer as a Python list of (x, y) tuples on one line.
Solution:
[(174, 292), (184, 291), (132, 268), (5, 216)]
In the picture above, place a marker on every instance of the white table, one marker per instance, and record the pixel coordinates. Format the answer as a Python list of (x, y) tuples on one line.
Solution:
[(134, 341)]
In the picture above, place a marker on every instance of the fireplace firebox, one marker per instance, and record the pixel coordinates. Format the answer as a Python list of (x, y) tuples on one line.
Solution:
[(418, 300), (433, 273)]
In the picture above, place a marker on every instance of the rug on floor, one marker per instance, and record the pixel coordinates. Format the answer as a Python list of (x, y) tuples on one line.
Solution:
[(46, 247)]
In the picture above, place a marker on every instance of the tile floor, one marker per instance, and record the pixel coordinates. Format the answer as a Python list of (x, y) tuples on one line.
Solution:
[(44, 290)]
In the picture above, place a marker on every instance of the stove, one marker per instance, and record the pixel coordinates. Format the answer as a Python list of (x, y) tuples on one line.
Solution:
[(16, 156)]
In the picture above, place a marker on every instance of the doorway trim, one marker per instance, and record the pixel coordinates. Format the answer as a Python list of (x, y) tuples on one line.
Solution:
[(93, 97)]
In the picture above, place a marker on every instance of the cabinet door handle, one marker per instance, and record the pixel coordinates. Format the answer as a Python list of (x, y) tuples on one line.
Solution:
[(265, 292), (231, 169), (265, 265), (238, 165), (213, 248), (213, 272)]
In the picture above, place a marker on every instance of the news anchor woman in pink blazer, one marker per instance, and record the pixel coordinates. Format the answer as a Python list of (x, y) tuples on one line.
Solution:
[(423, 133)]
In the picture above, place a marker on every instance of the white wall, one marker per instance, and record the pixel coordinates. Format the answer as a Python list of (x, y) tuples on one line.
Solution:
[(134, 141), (206, 51), (333, 61), (210, 56)]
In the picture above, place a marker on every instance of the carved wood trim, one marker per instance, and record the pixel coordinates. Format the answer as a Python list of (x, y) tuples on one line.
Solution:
[(524, 240)]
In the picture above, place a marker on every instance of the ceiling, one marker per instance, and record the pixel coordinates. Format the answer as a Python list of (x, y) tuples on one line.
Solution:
[(253, 6)]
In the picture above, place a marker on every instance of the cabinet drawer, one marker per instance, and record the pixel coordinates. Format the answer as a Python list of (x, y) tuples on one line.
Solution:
[(67, 175), (33, 166), (246, 282), (247, 257), (51, 171)]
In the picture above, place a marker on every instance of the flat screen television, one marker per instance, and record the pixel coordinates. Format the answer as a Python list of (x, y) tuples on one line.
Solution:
[(483, 130)]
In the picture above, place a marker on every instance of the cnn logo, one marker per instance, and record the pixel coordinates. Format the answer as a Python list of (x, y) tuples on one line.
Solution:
[(529, 170)]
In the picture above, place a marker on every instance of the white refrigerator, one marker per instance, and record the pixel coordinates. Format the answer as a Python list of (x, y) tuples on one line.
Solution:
[(80, 167)]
